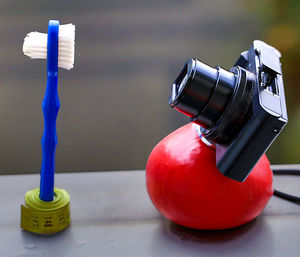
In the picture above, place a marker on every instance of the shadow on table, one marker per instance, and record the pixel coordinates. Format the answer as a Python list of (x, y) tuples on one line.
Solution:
[(208, 236), (253, 237)]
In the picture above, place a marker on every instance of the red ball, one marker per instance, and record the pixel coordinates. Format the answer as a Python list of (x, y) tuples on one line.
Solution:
[(186, 187)]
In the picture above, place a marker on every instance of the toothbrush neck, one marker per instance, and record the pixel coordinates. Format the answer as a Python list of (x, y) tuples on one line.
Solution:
[(52, 73)]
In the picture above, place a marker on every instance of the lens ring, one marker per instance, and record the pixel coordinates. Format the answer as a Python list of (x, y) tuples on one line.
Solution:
[(236, 113)]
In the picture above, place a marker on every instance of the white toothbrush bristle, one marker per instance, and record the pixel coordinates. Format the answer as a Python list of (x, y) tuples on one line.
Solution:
[(35, 46), (66, 46)]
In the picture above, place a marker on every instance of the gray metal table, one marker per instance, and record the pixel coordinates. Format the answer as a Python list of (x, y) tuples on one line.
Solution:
[(113, 216)]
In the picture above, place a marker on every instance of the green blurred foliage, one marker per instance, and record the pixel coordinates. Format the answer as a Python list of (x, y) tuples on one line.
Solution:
[(280, 24)]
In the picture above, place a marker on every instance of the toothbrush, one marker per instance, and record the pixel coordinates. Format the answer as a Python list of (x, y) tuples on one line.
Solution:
[(58, 48)]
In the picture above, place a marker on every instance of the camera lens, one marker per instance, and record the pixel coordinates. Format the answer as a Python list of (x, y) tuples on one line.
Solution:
[(210, 96), (202, 92)]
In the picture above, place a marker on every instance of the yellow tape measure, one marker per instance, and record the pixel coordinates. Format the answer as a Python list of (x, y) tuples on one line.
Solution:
[(46, 217)]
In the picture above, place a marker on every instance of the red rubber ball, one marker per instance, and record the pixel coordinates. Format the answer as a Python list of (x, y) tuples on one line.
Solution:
[(186, 187)]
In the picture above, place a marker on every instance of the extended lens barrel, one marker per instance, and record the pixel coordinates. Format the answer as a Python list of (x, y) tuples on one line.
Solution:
[(202, 92)]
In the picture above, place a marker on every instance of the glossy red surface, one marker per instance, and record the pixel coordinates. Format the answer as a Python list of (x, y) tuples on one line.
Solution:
[(185, 186)]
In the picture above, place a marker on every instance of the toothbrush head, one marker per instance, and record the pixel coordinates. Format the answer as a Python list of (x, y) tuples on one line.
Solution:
[(35, 45)]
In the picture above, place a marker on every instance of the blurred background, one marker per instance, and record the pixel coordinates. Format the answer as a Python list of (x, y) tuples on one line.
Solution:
[(114, 103)]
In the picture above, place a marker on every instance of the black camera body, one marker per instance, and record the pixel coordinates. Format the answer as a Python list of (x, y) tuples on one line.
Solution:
[(240, 112)]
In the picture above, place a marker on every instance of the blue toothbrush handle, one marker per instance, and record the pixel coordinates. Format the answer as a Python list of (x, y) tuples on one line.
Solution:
[(50, 107)]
